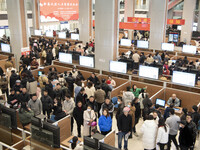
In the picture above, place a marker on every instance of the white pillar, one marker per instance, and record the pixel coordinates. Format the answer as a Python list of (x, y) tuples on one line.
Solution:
[(188, 15), (35, 14), (106, 32), (129, 10), (158, 17), (198, 27), (85, 21)]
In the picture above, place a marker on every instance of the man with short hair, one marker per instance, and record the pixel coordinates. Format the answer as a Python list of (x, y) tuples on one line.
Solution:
[(24, 96), (82, 96), (47, 103), (174, 100), (35, 105), (136, 57)]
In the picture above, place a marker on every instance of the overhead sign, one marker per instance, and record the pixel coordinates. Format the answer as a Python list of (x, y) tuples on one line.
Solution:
[(25, 51), (176, 21)]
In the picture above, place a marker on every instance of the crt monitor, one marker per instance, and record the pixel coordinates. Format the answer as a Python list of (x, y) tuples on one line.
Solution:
[(5, 48), (10, 115), (86, 61), (160, 102), (125, 42), (38, 32), (62, 35), (148, 72), (104, 146), (167, 46), (189, 49), (120, 67), (89, 143), (74, 36), (184, 78), (142, 44), (65, 58), (49, 33)]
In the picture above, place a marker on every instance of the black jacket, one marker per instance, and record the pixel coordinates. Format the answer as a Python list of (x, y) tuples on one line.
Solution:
[(17, 87), (78, 115), (70, 80), (119, 110), (13, 78), (94, 80), (138, 110), (82, 98), (47, 102), (94, 105), (195, 118), (124, 123), (49, 88), (24, 97), (110, 107), (58, 112), (106, 88), (11, 98)]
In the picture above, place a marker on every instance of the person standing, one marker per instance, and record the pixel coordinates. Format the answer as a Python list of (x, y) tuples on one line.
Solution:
[(108, 105), (47, 103), (124, 124), (172, 122), (105, 122), (35, 105), (132, 114), (13, 78), (82, 96), (137, 114)]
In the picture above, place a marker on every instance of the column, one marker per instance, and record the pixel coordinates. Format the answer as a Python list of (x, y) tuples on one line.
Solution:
[(85, 20), (158, 17), (198, 26), (17, 20), (129, 10), (36, 14), (188, 15), (170, 13), (106, 32)]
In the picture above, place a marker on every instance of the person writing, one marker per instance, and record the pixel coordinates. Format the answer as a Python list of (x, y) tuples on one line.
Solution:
[(174, 100)]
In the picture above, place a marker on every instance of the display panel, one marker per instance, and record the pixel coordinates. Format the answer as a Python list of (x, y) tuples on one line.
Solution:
[(167, 47), (86, 61), (65, 58), (74, 36), (5, 48), (189, 49), (62, 35), (116, 66), (49, 33), (38, 32), (171, 37), (184, 78), (142, 44), (160, 102), (59, 10), (125, 42), (148, 72)]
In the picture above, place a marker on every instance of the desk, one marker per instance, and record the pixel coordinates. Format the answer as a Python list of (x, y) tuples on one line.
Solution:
[(66, 142), (177, 112)]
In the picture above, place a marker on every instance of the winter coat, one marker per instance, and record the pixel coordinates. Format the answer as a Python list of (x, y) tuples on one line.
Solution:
[(35, 106), (47, 102), (162, 135), (110, 107), (99, 96), (41, 80), (149, 130), (105, 123), (90, 91), (106, 88), (82, 98), (13, 78), (24, 97), (94, 105), (58, 112), (31, 87), (78, 115), (25, 116), (70, 80), (94, 80), (119, 110), (124, 123), (87, 116), (127, 97), (68, 106), (132, 114)]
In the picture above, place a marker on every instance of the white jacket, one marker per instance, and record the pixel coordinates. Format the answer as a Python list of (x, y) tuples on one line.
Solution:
[(127, 97), (162, 136), (149, 130), (90, 91)]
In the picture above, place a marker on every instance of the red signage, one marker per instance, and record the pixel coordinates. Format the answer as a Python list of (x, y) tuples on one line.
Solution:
[(176, 21), (134, 26), (60, 10), (139, 20)]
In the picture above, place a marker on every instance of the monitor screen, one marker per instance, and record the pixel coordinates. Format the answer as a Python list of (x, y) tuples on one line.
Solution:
[(160, 102), (142, 44), (175, 39), (62, 35), (74, 36), (148, 72), (116, 66), (171, 37), (184, 78), (49, 33), (125, 42), (167, 47), (86, 61), (38, 32), (5, 48), (189, 49), (39, 73), (179, 27), (65, 58)]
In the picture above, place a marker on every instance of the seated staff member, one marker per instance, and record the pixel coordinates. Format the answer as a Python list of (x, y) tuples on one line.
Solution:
[(174, 100), (34, 64), (74, 145)]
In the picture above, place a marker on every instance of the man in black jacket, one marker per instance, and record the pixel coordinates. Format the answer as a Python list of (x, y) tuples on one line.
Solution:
[(13, 78), (94, 79), (70, 80), (81, 97), (12, 98), (47, 103), (105, 87), (24, 96), (93, 104), (49, 88), (124, 124)]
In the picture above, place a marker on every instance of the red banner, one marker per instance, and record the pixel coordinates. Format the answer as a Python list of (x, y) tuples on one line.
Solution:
[(134, 26), (60, 10), (139, 20), (176, 21)]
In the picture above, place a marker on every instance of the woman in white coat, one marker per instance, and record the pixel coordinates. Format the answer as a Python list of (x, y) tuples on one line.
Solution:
[(163, 134), (149, 131), (90, 89), (88, 117)]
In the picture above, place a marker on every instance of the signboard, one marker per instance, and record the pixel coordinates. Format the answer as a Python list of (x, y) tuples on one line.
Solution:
[(25, 51)]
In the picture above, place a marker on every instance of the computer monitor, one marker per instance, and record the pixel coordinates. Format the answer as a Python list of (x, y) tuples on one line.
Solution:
[(39, 73), (74, 36), (148, 72), (116, 66), (160, 102), (86, 61), (184, 78), (10, 115), (142, 44), (65, 58), (104, 146), (89, 143), (189, 49), (38, 32), (62, 35), (5, 48), (167, 46), (125, 42), (171, 37), (49, 33)]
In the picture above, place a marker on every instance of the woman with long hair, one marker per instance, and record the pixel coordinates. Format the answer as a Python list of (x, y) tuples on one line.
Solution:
[(74, 145), (105, 122)]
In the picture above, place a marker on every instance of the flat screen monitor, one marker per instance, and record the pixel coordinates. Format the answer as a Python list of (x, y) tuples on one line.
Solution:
[(120, 67), (125, 42), (104, 146), (65, 58), (184, 78), (5, 48), (38, 32), (160, 102), (171, 37), (167, 47), (74, 36), (189, 49), (148, 72), (89, 143), (49, 33), (86, 61), (142, 44), (62, 35)]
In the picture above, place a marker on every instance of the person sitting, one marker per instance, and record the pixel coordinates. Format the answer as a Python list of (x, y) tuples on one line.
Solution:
[(12, 98), (166, 72), (74, 145), (165, 66), (111, 82), (174, 100), (105, 122), (79, 49), (34, 64)]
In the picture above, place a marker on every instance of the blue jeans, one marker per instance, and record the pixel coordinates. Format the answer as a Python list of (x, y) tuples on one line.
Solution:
[(121, 135)]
